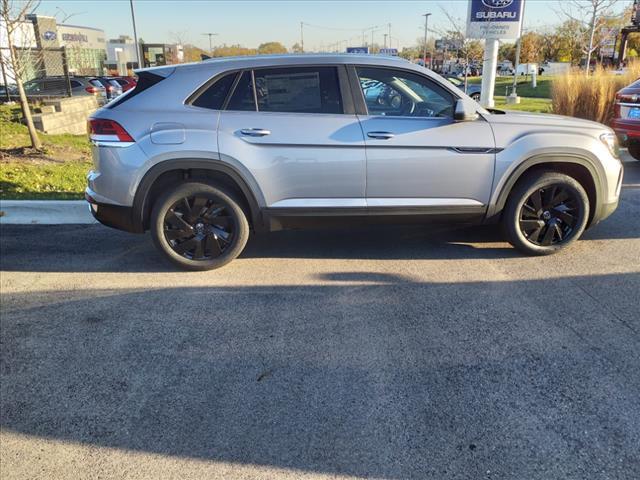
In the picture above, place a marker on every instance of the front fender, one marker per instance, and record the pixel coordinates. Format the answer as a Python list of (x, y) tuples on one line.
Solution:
[(547, 147)]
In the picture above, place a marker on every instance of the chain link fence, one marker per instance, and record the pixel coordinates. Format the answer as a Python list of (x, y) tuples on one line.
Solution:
[(44, 73)]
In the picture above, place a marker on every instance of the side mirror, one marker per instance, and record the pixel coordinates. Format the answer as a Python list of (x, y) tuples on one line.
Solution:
[(464, 111)]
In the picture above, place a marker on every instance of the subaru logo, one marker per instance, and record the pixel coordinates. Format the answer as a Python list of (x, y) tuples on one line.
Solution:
[(49, 35), (497, 3)]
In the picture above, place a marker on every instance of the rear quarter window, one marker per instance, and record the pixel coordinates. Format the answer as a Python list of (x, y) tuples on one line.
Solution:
[(214, 95)]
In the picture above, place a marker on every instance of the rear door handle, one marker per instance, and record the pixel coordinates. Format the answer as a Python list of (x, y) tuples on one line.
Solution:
[(255, 132), (380, 135)]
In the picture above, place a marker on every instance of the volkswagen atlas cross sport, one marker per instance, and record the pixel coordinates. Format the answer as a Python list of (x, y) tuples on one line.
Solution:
[(202, 154)]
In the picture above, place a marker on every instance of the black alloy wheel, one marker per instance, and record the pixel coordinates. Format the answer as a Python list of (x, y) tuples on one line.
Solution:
[(549, 215), (199, 227), (546, 211)]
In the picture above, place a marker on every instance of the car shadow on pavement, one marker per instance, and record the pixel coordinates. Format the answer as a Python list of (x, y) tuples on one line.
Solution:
[(370, 375), (95, 248)]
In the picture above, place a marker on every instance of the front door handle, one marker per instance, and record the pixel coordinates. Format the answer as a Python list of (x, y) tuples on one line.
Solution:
[(255, 132), (380, 135)]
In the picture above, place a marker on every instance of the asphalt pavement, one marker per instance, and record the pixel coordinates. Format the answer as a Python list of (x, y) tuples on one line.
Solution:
[(412, 352)]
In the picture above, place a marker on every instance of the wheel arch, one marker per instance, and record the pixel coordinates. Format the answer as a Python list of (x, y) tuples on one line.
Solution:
[(169, 172), (578, 167)]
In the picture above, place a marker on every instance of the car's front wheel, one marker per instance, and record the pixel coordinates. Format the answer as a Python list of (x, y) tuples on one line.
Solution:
[(475, 96), (546, 212), (634, 149), (198, 226)]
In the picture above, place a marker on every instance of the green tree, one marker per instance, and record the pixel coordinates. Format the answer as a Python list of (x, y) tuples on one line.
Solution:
[(296, 48)]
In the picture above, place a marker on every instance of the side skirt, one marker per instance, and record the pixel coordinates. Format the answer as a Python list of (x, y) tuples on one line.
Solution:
[(292, 218)]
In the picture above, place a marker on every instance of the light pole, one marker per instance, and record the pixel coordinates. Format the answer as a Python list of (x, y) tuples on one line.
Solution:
[(210, 44), (302, 37), (135, 34), (385, 40), (426, 32)]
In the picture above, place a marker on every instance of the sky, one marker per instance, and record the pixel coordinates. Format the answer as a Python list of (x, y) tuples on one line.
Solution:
[(250, 23)]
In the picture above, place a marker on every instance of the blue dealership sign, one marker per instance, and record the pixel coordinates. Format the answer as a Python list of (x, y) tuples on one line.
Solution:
[(495, 19), (357, 49)]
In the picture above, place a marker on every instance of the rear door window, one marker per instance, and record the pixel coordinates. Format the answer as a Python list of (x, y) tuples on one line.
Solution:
[(298, 90)]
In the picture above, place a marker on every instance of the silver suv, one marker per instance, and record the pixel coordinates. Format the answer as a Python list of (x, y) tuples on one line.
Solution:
[(200, 154)]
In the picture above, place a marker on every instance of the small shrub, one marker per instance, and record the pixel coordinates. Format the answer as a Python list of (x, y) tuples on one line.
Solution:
[(593, 97)]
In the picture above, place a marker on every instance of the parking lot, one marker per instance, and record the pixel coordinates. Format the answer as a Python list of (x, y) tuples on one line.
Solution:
[(414, 352)]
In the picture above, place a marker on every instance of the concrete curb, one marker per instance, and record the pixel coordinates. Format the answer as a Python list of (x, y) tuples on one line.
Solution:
[(45, 212)]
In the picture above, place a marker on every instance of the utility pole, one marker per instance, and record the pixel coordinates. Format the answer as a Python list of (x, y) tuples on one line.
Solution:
[(135, 35), (426, 32), (210, 44), (302, 36), (385, 40)]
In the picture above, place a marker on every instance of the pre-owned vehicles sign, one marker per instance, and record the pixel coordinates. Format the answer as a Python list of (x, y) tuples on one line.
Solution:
[(497, 19)]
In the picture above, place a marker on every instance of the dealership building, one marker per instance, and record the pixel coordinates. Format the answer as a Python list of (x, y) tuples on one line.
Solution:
[(122, 57), (85, 47)]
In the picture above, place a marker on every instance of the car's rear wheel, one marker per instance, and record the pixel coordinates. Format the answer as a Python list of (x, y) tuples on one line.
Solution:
[(475, 96), (634, 149), (198, 226), (546, 212)]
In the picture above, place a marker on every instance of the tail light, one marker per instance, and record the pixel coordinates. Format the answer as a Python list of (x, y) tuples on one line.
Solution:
[(616, 106), (93, 90), (105, 130)]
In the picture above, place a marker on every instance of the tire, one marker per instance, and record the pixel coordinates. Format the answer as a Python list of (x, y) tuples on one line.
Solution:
[(634, 150), (545, 213), (198, 226), (476, 97)]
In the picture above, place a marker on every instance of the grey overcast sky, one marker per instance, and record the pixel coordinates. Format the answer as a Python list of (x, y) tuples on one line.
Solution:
[(250, 23)]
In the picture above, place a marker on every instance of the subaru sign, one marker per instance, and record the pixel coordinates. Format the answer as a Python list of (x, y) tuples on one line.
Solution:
[(357, 49), (49, 35), (495, 19)]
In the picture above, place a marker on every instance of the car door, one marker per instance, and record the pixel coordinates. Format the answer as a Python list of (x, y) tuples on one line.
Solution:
[(295, 130), (417, 155)]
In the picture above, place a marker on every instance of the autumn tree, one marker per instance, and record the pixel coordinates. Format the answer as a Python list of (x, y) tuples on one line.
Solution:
[(271, 48), (589, 16), (12, 17)]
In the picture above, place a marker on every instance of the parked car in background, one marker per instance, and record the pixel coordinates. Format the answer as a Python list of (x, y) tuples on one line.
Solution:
[(112, 88), (626, 121), (291, 140), (127, 83), (473, 89), (57, 87), (12, 90)]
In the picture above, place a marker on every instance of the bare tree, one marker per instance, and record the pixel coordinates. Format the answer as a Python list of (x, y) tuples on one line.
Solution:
[(470, 49), (12, 17), (591, 16)]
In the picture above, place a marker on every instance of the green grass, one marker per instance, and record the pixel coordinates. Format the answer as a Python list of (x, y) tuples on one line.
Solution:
[(543, 90), (537, 105), (33, 181), (57, 172)]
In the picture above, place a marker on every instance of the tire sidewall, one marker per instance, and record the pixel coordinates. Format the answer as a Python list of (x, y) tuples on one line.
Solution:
[(634, 149), (189, 189), (523, 191)]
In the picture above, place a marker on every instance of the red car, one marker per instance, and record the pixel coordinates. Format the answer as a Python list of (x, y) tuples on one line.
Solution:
[(127, 83), (626, 121)]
